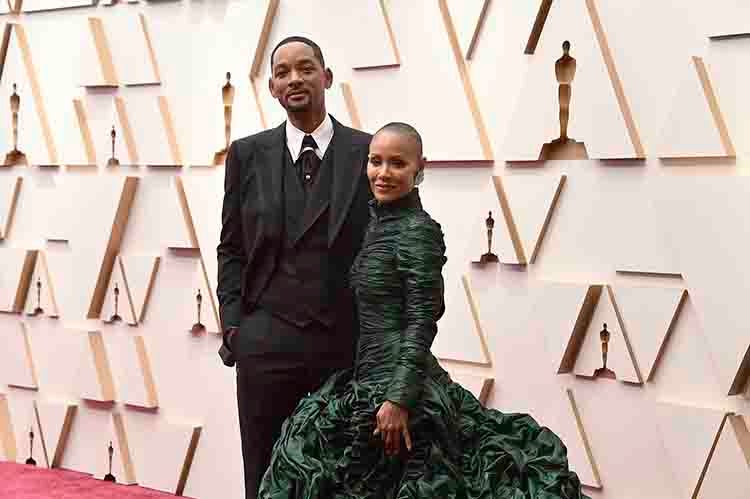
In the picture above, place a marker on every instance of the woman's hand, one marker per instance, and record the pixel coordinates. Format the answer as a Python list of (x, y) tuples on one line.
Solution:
[(392, 423)]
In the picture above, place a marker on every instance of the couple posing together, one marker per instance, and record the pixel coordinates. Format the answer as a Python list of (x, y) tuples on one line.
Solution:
[(330, 285)]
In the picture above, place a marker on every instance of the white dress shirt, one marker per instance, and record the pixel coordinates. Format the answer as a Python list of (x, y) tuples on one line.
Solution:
[(322, 135)]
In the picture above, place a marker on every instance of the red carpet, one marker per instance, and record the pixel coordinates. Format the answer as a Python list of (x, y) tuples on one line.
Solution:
[(18, 481)]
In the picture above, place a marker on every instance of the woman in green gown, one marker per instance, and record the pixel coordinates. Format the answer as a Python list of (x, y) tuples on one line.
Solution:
[(395, 426)]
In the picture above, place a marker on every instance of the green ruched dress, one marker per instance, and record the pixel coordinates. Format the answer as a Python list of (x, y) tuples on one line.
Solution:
[(460, 449)]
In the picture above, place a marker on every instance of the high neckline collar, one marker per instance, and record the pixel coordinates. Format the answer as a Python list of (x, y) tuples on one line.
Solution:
[(397, 207)]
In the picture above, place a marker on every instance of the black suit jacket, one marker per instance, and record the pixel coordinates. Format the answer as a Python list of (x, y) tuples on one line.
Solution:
[(253, 219)]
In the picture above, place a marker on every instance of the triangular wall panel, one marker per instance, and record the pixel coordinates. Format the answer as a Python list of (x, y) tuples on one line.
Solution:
[(96, 63), (696, 126), (87, 449), (599, 116), (25, 422), (94, 380), (564, 414), (380, 51), (728, 473), (204, 195), (56, 420), (716, 226), (604, 406), (122, 456), (134, 58), (163, 451), (240, 38), (50, 422), (114, 231), (91, 118), (158, 218), (619, 358), (81, 152), (484, 204), (584, 463), (689, 456), (468, 17), (574, 344), (426, 45), (118, 305), (569, 308), (648, 315), (528, 204), (132, 368), (16, 267), (461, 337), (209, 316), (154, 129), (97, 247), (40, 299), (35, 138), (17, 364), (140, 274)]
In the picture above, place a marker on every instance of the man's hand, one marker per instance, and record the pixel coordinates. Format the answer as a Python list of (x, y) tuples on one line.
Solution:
[(392, 423), (228, 335)]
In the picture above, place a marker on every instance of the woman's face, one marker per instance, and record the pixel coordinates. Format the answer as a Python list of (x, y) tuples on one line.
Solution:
[(393, 165)]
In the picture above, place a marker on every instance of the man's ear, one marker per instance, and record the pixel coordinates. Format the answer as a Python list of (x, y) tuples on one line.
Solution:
[(270, 88), (329, 78)]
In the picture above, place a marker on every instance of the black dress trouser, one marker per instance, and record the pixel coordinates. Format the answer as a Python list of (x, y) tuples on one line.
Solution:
[(269, 386)]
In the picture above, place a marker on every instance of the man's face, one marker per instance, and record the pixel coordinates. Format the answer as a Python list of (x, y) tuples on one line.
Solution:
[(298, 80)]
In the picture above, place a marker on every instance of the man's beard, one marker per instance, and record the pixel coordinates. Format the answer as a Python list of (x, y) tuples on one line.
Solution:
[(298, 107)]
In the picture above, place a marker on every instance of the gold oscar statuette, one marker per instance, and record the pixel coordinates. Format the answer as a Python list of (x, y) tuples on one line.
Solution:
[(489, 257), (604, 371), (109, 477), (15, 157), (198, 327), (115, 317), (564, 147), (31, 461), (113, 161), (227, 97)]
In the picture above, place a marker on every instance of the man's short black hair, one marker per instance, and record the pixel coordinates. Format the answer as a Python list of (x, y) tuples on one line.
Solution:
[(314, 46)]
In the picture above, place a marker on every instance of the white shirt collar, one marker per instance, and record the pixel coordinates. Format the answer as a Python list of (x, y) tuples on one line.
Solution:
[(322, 135)]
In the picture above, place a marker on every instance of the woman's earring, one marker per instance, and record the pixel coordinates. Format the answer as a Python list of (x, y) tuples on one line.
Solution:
[(419, 177)]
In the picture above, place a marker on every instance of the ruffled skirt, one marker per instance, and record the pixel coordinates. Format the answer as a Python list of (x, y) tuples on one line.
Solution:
[(460, 450)]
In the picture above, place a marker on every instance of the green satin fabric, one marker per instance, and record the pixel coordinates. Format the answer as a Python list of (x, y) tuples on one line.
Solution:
[(461, 450)]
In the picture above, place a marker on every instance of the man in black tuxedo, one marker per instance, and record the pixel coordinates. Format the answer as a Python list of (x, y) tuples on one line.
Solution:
[(294, 215)]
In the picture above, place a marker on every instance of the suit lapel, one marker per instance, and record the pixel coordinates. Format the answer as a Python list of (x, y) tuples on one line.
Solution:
[(346, 174), (269, 163)]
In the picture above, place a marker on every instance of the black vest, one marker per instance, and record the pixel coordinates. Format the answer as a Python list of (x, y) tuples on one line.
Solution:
[(299, 291)]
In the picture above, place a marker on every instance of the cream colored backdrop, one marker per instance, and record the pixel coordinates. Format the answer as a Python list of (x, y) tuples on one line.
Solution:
[(649, 235)]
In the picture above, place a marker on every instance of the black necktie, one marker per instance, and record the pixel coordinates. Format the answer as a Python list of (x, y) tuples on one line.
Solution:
[(308, 162)]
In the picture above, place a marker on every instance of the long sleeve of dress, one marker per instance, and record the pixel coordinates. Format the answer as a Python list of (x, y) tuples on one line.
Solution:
[(231, 252), (420, 257)]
